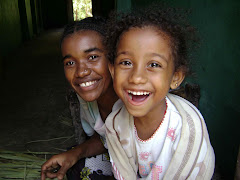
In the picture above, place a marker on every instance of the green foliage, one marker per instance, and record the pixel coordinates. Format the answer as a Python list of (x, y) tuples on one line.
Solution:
[(82, 9)]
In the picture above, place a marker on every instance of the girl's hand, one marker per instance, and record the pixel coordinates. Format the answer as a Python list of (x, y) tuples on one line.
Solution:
[(57, 166)]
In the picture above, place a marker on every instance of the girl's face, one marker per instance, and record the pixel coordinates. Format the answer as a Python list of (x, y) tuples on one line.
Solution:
[(143, 71), (85, 64)]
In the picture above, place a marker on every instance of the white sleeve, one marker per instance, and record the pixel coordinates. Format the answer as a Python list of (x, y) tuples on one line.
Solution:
[(86, 118)]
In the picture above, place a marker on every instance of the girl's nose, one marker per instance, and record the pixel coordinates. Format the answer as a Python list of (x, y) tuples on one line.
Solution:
[(82, 70), (138, 76)]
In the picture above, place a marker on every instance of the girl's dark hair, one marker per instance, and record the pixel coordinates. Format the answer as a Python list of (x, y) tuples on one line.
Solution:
[(97, 24), (171, 21)]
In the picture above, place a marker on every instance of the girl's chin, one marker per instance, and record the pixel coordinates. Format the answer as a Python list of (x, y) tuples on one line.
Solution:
[(88, 97), (137, 113)]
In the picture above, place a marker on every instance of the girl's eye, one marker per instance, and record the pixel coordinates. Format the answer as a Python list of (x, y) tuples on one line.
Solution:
[(126, 63), (154, 65), (69, 63), (93, 57)]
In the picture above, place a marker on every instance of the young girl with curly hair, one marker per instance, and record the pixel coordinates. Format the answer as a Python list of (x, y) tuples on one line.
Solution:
[(155, 134)]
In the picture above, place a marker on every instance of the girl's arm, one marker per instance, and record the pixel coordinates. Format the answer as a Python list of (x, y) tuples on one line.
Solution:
[(66, 160)]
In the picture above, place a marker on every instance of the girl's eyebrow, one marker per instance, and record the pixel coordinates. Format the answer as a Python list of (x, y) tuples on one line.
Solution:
[(85, 51), (159, 55), (122, 53), (66, 57), (93, 49), (152, 54)]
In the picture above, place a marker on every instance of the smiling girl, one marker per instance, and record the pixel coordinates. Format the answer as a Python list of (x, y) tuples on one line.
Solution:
[(155, 135), (86, 69)]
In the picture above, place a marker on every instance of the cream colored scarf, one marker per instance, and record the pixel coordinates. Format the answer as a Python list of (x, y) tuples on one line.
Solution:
[(122, 148)]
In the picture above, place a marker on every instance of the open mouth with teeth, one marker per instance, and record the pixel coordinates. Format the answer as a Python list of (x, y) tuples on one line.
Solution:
[(87, 84), (138, 96)]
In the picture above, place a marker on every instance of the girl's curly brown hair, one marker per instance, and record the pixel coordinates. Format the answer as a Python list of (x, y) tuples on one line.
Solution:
[(172, 21)]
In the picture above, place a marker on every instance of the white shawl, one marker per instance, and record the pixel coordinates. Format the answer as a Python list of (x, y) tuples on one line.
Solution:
[(123, 152)]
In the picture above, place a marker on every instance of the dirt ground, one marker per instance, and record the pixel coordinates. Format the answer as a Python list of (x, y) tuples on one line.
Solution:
[(34, 111)]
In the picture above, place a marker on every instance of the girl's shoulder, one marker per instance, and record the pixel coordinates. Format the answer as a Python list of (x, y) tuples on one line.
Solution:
[(184, 103), (117, 105)]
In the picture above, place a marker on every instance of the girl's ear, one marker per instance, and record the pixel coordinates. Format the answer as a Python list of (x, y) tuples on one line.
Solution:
[(177, 79), (111, 69)]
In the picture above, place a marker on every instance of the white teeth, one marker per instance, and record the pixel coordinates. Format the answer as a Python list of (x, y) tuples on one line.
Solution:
[(86, 84), (138, 93), (130, 96)]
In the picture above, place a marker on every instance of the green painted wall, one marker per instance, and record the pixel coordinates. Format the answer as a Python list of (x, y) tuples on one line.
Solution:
[(10, 29), (29, 17), (35, 19), (123, 5), (54, 13), (16, 25), (102, 7), (37, 26), (217, 69), (26, 19)]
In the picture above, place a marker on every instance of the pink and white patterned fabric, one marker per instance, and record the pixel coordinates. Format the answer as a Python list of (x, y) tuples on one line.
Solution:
[(155, 153), (184, 152)]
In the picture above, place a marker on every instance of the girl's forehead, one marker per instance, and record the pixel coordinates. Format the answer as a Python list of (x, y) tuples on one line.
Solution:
[(87, 32), (145, 31), (145, 42), (152, 28), (84, 33), (82, 41)]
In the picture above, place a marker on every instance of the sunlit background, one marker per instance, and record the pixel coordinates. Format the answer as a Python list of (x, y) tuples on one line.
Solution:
[(82, 9)]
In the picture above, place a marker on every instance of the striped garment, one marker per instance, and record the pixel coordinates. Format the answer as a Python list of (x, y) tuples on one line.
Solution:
[(193, 159)]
